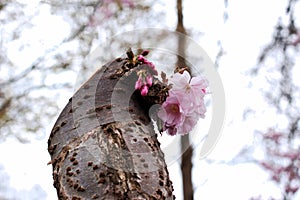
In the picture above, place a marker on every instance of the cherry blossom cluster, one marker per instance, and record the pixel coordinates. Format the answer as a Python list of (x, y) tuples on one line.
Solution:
[(184, 105), (144, 82), (145, 79)]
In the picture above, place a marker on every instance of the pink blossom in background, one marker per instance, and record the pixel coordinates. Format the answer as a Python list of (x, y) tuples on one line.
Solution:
[(108, 9), (274, 136), (297, 40), (282, 163), (129, 3)]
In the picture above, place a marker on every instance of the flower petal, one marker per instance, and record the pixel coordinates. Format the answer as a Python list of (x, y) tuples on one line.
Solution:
[(180, 81)]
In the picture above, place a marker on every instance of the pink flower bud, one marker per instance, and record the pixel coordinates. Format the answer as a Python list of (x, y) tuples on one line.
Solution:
[(149, 80), (144, 90), (145, 53), (141, 58), (138, 83)]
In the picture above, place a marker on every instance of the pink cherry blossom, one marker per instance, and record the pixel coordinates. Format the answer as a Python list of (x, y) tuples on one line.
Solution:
[(193, 89), (190, 92), (187, 124), (175, 119), (171, 114), (184, 105)]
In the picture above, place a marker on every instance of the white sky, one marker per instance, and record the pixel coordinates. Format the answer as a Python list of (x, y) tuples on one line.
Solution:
[(248, 28)]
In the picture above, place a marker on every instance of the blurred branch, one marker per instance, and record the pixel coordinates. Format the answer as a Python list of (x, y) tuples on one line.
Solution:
[(43, 86), (4, 107), (76, 33), (19, 76), (220, 54), (36, 63)]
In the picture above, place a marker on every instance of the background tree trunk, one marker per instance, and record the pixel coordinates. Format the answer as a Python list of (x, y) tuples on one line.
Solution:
[(103, 145), (186, 148)]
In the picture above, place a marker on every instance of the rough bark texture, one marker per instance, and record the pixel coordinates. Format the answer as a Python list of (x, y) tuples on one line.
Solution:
[(103, 145)]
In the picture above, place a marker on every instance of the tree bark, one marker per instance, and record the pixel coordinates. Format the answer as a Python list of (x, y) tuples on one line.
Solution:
[(103, 144)]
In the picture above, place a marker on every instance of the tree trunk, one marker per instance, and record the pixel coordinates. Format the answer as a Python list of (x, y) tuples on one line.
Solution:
[(103, 145), (186, 148)]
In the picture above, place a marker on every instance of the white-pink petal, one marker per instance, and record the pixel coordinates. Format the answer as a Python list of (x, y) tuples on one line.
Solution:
[(180, 81)]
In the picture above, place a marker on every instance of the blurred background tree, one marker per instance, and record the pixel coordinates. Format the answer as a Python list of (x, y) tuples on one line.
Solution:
[(27, 78), (278, 64), (36, 57)]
